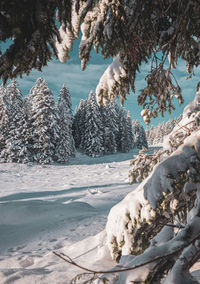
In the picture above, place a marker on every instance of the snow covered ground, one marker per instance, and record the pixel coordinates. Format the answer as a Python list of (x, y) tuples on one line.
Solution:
[(45, 208)]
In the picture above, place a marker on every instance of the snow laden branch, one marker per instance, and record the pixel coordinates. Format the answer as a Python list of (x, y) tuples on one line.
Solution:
[(147, 219), (113, 81), (186, 238), (144, 162), (133, 31), (159, 199)]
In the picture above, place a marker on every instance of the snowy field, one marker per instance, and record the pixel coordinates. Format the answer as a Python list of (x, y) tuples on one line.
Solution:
[(45, 208)]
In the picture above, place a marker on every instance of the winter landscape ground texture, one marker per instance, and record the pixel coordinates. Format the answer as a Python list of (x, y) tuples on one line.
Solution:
[(56, 208)]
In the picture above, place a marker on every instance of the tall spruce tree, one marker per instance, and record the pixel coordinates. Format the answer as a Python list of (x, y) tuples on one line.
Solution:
[(65, 147), (44, 124), (139, 135), (125, 140), (92, 142), (129, 130), (15, 147), (78, 126), (109, 141), (3, 119), (113, 109), (28, 106)]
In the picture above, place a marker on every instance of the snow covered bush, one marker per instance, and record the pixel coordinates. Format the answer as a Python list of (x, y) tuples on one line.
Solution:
[(158, 224)]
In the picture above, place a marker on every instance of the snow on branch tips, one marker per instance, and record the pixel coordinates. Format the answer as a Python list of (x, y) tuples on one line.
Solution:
[(163, 209), (112, 82), (65, 44)]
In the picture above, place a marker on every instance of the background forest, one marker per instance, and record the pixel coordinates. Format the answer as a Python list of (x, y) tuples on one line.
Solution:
[(38, 129)]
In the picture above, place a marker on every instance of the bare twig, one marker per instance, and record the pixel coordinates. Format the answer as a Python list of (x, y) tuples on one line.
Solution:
[(180, 248), (179, 226)]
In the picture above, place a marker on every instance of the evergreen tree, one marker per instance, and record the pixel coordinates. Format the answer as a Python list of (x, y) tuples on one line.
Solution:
[(3, 119), (109, 141), (79, 123), (115, 110), (167, 194), (29, 105), (151, 135), (142, 142), (114, 118), (66, 146), (129, 130), (125, 142), (92, 142), (139, 135), (14, 123), (45, 130)]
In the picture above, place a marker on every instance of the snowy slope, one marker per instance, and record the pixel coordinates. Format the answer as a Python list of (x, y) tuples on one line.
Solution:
[(46, 208)]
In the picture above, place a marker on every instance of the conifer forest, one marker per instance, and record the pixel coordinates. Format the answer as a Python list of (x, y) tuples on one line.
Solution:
[(36, 128)]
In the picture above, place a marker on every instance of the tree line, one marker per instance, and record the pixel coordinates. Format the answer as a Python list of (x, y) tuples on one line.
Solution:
[(101, 130), (35, 128), (156, 134)]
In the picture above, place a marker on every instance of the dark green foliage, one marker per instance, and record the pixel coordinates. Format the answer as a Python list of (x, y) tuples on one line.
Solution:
[(32, 27), (132, 31)]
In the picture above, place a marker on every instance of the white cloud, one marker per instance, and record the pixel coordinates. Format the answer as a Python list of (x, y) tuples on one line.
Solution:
[(78, 82)]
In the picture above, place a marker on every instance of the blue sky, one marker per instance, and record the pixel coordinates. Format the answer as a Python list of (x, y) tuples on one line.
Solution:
[(80, 82)]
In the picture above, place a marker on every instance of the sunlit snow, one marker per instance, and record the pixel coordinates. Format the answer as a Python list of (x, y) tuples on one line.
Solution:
[(50, 208)]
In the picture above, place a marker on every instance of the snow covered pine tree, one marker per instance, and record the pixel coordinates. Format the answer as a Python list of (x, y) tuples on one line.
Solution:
[(109, 139), (125, 136), (65, 147), (43, 116), (92, 142), (139, 135), (13, 125), (79, 123)]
